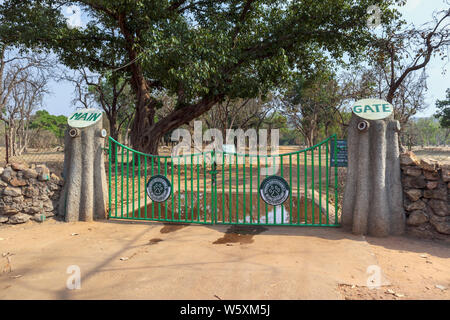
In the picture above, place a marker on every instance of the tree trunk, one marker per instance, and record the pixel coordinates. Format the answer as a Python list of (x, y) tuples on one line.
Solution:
[(373, 197), (84, 194), (146, 134)]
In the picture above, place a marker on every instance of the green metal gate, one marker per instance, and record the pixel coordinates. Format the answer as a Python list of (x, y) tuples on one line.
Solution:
[(224, 188)]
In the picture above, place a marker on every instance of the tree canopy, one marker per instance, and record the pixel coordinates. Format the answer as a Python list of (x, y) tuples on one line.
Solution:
[(201, 52)]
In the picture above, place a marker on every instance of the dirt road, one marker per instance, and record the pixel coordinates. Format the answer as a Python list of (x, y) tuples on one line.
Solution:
[(122, 260)]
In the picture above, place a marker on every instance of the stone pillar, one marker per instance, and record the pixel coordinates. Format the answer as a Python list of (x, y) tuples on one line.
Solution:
[(84, 195), (373, 199)]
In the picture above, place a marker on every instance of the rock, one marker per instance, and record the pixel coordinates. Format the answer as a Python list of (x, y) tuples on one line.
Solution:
[(30, 192), (1, 170), (43, 173), (416, 218), (55, 178), (441, 224), (7, 174), (19, 166), (439, 207), (3, 184), (431, 175), (432, 185), (13, 192), (48, 206), (53, 186), (3, 219), (19, 218), (414, 194), (440, 193), (30, 173), (49, 214), (428, 164), (417, 205), (448, 185), (15, 182), (18, 200), (414, 182), (39, 217), (408, 158), (8, 211), (446, 174), (412, 171)]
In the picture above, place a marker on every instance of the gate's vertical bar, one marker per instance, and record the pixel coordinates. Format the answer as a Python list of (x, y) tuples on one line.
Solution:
[(204, 189), (109, 173), (128, 188), (133, 155), (237, 188), (172, 189), (165, 174), (179, 189), (215, 185), (265, 203), (259, 173), (282, 207), (298, 187), (121, 184), (185, 191), (223, 186), (192, 187), (145, 184), (139, 184), (290, 186), (153, 203), (159, 172), (198, 188), (115, 179), (312, 185), (306, 187), (230, 197), (335, 182), (243, 184), (251, 189), (327, 184), (320, 184)]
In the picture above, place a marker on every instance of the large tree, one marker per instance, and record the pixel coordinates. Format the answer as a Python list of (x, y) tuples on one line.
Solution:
[(201, 51)]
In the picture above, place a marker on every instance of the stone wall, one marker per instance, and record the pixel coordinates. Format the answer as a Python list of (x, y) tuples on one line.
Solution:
[(27, 193), (426, 187)]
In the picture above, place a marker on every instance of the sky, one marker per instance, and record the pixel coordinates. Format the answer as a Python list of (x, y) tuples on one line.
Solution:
[(60, 101)]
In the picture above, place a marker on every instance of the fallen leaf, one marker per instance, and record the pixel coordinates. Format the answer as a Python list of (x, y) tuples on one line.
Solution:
[(399, 295), (124, 258), (424, 256), (15, 277), (74, 234), (441, 287)]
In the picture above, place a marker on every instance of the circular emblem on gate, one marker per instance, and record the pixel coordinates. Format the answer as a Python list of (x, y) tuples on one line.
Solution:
[(274, 190), (159, 188)]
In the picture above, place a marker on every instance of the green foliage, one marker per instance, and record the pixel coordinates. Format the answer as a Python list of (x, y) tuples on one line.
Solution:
[(195, 49), (42, 120), (443, 113)]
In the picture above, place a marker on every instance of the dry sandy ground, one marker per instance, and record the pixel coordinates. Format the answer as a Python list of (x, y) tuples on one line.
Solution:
[(123, 260)]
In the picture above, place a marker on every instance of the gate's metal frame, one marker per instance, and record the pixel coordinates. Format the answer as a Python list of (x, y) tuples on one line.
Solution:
[(207, 181)]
